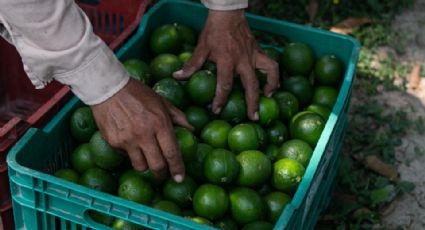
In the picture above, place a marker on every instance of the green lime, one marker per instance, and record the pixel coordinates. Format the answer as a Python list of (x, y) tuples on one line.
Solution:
[(200, 220), (185, 56), (103, 154), (255, 168), (186, 34), (171, 90), (272, 53), (268, 110), (136, 189), (308, 126), (276, 202), (82, 159), (187, 143), (101, 218), (325, 95), (165, 39), (127, 174), (297, 150), (328, 70), (120, 224), (201, 87), (210, 201), (82, 124), (197, 116), (246, 205), (138, 70), (287, 174), (211, 66), (277, 133), (271, 152), (68, 174), (195, 167), (300, 87), (215, 133), (179, 193), (261, 135), (257, 225), (148, 176), (99, 179), (243, 137), (288, 104), (323, 111), (221, 166), (168, 206), (234, 111), (226, 224), (164, 65), (298, 59)]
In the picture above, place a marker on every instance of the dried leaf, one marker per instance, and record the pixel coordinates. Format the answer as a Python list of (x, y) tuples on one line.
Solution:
[(311, 9), (415, 76), (374, 163), (347, 25)]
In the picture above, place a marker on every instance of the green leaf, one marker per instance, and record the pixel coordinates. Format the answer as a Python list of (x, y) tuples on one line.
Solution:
[(406, 186), (382, 195)]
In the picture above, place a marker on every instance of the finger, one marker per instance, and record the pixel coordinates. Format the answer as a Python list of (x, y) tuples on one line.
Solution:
[(154, 157), (269, 67), (251, 85), (224, 85), (137, 159), (177, 116), (198, 58), (171, 152)]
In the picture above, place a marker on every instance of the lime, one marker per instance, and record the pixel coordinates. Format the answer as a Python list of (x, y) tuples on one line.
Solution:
[(168, 206), (195, 167), (103, 154), (68, 174), (82, 124), (300, 87), (197, 116), (165, 39), (325, 95), (268, 110), (277, 133), (189, 212), (127, 174), (138, 70), (200, 220), (297, 150), (328, 70), (187, 35), (288, 104), (255, 168), (101, 218), (99, 179), (164, 65), (148, 176), (185, 56), (246, 205), (234, 111), (81, 158), (201, 87), (272, 53), (287, 174), (210, 201), (243, 137), (215, 133), (276, 202), (271, 152), (187, 143), (136, 189), (171, 90), (263, 225), (307, 126), (298, 59), (226, 224), (261, 135), (211, 66), (221, 166), (323, 111), (120, 224), (179, 193)]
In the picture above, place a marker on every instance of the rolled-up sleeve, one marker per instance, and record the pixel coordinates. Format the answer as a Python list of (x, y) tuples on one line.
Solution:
[(225, 4), (56, 41)]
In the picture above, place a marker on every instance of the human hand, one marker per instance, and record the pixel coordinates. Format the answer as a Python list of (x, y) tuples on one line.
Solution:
[(227, 40), (140, 122)]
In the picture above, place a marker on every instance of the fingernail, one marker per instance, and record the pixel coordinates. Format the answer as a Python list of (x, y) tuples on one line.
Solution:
[(178, 178), (256, 116), (218, 110), (178, 73)]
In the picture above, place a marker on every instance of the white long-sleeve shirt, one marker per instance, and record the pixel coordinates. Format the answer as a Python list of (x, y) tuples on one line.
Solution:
[(56, 41)]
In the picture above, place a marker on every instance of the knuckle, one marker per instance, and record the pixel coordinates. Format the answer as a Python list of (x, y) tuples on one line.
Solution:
[(157, 166), (274, 66)]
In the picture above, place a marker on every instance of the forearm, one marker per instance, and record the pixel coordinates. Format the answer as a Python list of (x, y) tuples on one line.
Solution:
[(225, 4), (56, 41)]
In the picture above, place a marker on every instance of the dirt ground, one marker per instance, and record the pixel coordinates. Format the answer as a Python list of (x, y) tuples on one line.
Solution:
[(409, 210)]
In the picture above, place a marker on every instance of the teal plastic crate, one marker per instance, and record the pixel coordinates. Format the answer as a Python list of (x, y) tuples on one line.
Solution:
[(42, 201)]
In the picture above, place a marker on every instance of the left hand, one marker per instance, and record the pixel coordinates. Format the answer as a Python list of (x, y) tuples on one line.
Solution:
[(227, 40)]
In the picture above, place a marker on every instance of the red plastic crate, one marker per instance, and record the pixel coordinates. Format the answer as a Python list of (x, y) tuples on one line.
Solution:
[(6, 217), (114, 20), (4, 186)]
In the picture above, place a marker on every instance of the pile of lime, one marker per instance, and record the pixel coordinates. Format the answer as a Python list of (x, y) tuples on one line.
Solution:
[(239, 173)]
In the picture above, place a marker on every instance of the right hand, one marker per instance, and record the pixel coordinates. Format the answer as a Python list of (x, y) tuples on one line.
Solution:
[(140, 122)]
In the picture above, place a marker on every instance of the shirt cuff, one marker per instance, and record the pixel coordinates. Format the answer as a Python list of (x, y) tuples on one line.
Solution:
[(98, 79), (225, 5)]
